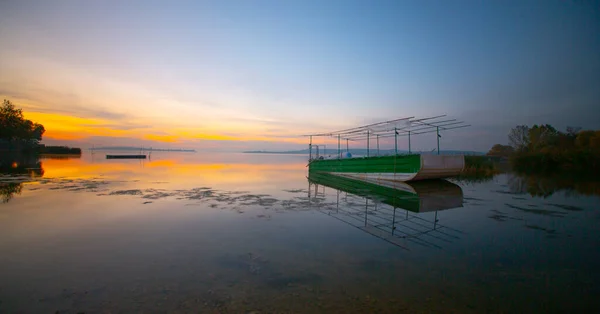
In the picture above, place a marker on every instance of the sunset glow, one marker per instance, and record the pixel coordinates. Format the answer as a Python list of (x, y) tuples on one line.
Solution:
[(232, 76)]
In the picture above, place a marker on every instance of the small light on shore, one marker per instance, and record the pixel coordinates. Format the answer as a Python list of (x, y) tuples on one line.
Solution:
[(15, 164)]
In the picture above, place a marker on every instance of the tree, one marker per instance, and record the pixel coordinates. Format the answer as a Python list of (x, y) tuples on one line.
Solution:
[(11, 120), (566, 141), (37, 132), (14, 126), (572, 131), (500, 150), (518, 137), (542, 136), (588, 140)]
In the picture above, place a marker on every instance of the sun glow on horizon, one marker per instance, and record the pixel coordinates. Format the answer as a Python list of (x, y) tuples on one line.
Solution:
[(68, 127)]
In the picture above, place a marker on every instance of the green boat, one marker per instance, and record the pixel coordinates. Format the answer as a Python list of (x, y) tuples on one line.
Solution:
[(382, 169)]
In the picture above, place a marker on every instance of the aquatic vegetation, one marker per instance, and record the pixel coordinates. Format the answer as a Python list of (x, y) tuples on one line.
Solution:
[(296, 191), (478, 169), (535, 227), (9, 190), (502, 216), (126, 192), (566, 207), (156, 194), (544, 212)]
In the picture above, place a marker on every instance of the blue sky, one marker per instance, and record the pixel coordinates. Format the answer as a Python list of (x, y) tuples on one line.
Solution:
[(197, 72)]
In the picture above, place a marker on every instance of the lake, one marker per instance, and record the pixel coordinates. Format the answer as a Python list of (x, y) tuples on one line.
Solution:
[(251, 233)]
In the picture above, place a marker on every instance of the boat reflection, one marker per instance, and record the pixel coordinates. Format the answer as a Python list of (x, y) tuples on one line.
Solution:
[(399, 213)]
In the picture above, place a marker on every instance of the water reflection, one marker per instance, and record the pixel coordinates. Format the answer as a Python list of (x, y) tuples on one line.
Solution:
[(8, 190), (193, 233), (182, 170), (545, 186), (16, 169), (20, 165), (166, 175), (392, 212)]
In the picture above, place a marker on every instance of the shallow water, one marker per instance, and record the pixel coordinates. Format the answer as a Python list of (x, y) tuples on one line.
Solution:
[(238, 233)]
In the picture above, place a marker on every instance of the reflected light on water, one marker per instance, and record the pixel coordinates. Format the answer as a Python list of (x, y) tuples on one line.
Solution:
[(196, 231), (185, 170)]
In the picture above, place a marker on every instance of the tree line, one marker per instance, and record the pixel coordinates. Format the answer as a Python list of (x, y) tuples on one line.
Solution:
[(546, 139), (14, 128), (544, 148)]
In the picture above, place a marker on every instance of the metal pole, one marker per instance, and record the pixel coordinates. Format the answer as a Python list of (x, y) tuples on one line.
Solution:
[(394, 221), (396, 141), (367, 143), (409, 151), (438, 139), (337, 204), (310, 149), (377, 144), (347, 146), (366, 210), (339, 150)]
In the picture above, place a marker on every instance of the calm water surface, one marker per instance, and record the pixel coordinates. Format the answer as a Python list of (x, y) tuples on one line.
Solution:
[(243, 233)]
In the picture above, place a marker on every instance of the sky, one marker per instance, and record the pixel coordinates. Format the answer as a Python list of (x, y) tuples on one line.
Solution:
[(240, 75)]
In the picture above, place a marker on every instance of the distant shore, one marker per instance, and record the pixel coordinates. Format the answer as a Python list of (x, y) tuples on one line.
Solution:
[(150, 149), (372, 152), (43, 150)]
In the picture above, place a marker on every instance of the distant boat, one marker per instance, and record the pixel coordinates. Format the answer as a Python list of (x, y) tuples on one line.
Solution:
[(125, 156)]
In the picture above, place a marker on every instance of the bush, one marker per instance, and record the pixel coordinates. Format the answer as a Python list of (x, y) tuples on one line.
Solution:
[(581, 162)]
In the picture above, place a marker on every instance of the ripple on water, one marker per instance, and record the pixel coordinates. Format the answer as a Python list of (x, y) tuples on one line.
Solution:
[(544, 212)]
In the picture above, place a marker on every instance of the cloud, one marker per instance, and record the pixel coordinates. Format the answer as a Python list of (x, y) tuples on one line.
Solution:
[(161, 138), (51, 101)]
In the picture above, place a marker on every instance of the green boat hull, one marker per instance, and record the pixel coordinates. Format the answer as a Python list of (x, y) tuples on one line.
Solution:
[(391, 168)]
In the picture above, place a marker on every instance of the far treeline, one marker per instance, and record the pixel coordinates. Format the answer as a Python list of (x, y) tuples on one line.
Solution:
[(18, 134), (544, 149)]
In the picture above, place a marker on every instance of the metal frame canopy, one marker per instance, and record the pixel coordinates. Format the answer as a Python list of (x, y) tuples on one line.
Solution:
[(393, 128)]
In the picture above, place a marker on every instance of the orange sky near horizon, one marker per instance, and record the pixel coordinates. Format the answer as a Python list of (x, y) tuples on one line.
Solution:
[(84, 108), (68, 128), (63, 127)]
